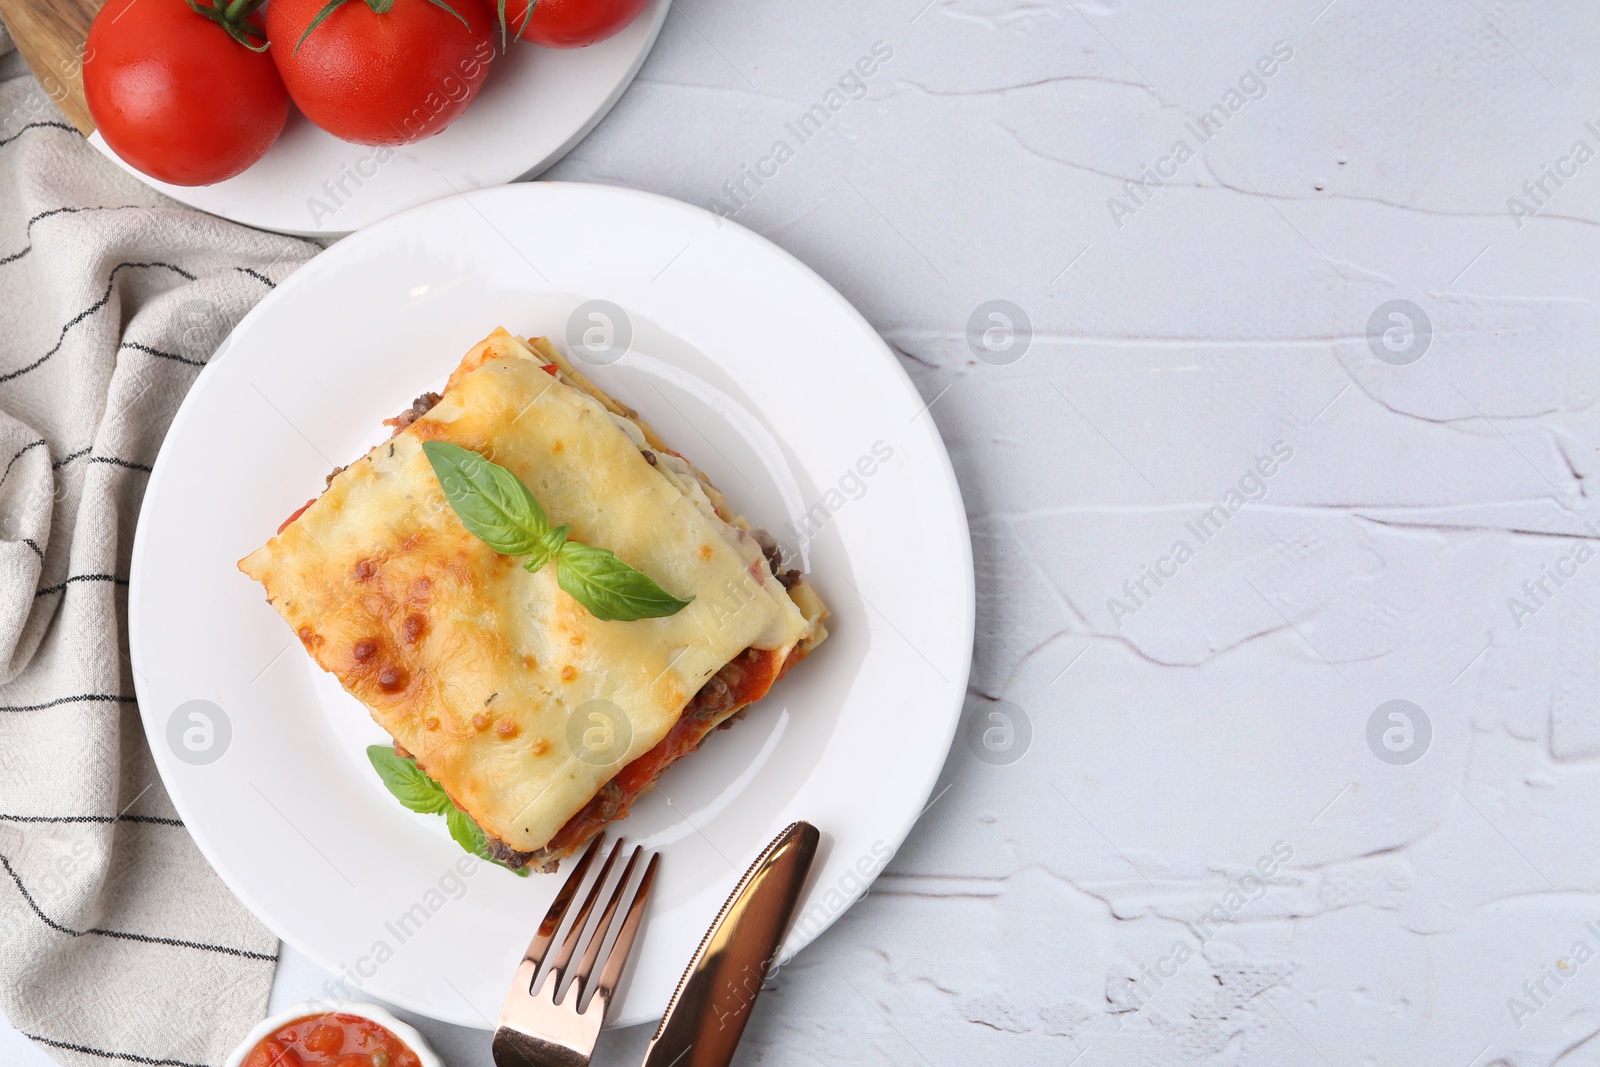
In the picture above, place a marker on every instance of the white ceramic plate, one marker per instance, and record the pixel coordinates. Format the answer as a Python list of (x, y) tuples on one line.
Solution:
[(534, 106), (742, 357)]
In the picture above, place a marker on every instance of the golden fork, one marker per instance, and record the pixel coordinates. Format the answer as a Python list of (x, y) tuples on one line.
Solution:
[(544, 1026)]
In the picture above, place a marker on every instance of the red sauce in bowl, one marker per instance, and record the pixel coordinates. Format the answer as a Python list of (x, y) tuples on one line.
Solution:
[(333, 1040)]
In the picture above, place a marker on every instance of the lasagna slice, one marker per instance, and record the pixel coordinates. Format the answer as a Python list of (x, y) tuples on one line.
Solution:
[(493, 677)]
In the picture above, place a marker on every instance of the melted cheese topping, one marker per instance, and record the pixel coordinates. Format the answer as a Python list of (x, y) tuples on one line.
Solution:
[(477, 667)]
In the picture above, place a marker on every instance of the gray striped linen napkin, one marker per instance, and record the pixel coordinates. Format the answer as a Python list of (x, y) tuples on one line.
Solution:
[(118, 943)]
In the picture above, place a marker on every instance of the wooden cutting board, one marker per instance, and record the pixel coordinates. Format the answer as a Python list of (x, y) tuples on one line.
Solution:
[(50, 35)]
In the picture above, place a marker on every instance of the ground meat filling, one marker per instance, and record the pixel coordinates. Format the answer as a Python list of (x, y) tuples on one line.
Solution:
[(419, 407), (501, 852), (774, 553)]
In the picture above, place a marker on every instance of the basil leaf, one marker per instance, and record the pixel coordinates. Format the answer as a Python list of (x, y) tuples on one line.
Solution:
[(410, 785), (494, 506), (547, 549), (611, 589), (491, 502), (466, 832)]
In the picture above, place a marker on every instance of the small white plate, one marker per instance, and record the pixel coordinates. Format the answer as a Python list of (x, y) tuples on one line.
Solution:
[(743, 359), (535, 105)]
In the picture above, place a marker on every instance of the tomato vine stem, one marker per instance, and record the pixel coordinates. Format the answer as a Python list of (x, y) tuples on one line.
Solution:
[(234, 17), (526, 15), (378, 7)]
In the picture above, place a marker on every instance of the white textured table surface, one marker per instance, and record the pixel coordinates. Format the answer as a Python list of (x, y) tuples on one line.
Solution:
[(1201, 714)]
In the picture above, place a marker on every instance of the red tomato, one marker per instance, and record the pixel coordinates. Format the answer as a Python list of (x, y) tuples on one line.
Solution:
[(571, 23), (329, 1037), (271, 1053), (175, 96), (382, 72)]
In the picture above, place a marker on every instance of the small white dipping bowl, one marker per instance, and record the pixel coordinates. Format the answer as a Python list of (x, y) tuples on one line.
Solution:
[(288, 1015)]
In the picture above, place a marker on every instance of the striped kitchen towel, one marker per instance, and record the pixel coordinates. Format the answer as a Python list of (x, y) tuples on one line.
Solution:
[(118, 943)]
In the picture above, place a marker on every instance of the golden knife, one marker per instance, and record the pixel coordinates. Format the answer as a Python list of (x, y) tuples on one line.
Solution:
[(709, 1010)]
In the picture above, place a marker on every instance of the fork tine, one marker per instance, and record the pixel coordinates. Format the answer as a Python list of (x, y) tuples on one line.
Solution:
[(570, 943), (580, 977), (612, 972), (558, 909)]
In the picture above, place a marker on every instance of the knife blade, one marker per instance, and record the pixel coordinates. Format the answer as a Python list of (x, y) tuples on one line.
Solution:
[(707, 1013)]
